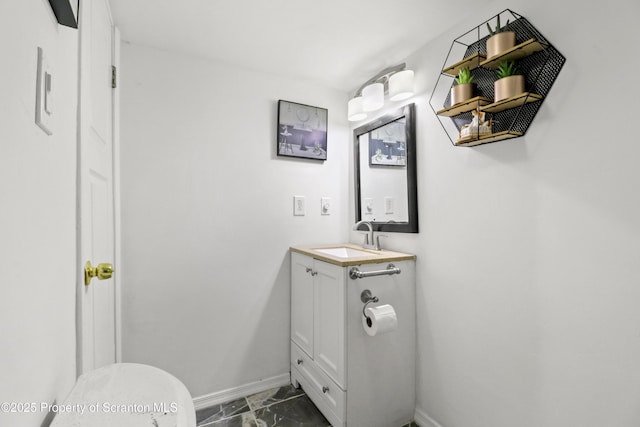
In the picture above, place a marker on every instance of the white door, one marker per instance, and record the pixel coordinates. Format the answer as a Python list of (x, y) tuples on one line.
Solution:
[(96, 312)]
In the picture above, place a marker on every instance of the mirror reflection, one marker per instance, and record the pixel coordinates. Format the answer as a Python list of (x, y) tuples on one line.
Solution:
[(385, 172), (383, 175)]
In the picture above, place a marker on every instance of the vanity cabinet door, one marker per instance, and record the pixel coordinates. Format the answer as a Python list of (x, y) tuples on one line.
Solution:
[(329, 320), (302, 302)]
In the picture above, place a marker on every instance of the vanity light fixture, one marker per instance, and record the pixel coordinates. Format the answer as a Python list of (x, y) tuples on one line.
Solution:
[(395, 81), (401, 85), (373, 97), (354, 110)]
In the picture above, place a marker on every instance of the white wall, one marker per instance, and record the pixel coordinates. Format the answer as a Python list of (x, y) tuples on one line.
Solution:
[(527, 255), (207, 215), (528, 279), (37, 214)]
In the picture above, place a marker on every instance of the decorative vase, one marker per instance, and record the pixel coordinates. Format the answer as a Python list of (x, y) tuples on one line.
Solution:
[(507, 87), (462, 92), (500, 42)]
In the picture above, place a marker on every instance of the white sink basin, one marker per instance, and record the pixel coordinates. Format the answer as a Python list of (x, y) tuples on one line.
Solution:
[(343, 252), (346, 254)]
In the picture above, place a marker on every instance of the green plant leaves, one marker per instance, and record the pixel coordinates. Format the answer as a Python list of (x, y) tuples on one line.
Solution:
[(464, 76), (498, 28), (507, 68)]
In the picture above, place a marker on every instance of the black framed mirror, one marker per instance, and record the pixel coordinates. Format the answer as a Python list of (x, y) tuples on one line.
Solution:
[(385, 172)]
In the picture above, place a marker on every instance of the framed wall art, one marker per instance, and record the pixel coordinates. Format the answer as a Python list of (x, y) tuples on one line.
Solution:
[(302, 131), (388, 145)]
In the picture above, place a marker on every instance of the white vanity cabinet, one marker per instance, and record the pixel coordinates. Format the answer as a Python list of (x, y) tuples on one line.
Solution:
[(353, 378), (318, 315), (302, 274)]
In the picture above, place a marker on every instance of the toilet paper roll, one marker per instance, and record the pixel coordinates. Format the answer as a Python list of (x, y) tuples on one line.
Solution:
[(379, 320)]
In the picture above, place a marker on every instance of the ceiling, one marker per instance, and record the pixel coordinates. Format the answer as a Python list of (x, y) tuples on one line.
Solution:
[(336, 43)]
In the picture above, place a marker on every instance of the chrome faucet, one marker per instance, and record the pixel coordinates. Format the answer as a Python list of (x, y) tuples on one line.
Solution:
[(368, 238)]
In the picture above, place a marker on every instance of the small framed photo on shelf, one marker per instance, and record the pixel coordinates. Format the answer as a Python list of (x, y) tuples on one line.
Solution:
[(302, 131)]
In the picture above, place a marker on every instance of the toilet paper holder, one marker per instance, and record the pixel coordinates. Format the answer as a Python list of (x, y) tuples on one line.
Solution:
[(367, 297)]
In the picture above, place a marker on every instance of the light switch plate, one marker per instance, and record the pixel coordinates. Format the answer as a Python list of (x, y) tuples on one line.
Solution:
[(388, 205), (368, 206), (325, 206), (298, 205), (44, 94)]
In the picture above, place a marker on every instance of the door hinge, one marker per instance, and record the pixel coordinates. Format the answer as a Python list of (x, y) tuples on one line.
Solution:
[(113, 77)]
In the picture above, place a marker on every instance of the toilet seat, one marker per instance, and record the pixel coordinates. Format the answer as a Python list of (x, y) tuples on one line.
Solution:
[(127, 395)]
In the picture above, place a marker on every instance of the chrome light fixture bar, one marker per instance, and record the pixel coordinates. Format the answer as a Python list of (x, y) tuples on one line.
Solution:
[(395, 81)]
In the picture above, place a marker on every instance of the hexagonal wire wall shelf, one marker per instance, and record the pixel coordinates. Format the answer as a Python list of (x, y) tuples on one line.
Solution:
[(536, 59)]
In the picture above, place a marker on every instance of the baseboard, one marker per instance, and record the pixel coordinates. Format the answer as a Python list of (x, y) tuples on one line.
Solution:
[(424, 420), (241, 391)]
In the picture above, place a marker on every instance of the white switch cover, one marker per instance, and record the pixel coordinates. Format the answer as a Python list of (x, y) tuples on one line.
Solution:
[(388, 205), (325, 206), (44, 97), (298, 205), (368, 206)]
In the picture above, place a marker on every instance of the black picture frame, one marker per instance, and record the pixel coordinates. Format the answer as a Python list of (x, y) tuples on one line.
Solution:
[(301, 131), (388, 145)]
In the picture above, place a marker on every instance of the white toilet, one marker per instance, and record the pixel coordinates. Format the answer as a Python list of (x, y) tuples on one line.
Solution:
[(127, 395)]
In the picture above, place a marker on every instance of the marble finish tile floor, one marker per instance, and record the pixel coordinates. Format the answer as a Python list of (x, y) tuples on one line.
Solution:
[(278, 407)]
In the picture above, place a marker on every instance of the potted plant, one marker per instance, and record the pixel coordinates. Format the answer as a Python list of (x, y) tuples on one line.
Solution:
[(464, 87), (500, 39), (510, 82)]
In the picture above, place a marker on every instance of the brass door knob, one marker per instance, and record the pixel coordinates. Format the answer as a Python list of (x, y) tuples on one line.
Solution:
[(101, 271)]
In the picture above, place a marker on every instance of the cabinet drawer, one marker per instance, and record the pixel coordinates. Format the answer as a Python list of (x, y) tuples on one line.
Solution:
[(323, 391)]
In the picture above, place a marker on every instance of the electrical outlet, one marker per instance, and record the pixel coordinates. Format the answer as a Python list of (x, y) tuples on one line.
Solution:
[(298, 205)]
